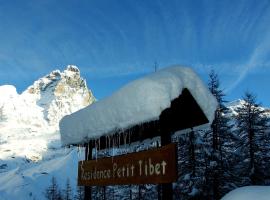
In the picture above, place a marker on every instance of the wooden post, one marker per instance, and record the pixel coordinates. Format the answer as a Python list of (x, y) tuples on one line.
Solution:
[(140, 195), (159, 191), (159, 185), (88, 156), (130, 192), (104, 193), (166, 188)]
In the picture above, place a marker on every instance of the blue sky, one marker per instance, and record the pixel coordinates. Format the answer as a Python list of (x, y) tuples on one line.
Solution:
[(116, 41)]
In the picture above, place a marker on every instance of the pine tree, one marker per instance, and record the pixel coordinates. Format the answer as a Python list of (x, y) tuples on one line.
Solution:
[(67, 193), (80, 193), (217, 140), (251, 126), (190, 166), (53, 192)]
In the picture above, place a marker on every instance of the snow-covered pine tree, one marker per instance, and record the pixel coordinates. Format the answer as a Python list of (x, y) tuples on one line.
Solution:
[(79, 193), (219, 140), (190, 166), (53, 192), (67, 192), (252, 125)]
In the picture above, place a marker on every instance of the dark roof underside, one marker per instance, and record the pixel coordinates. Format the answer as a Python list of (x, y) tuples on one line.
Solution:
[(184, 113)]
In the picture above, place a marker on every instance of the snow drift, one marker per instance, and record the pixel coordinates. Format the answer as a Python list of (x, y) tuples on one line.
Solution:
[(140, 101), (249, 193)]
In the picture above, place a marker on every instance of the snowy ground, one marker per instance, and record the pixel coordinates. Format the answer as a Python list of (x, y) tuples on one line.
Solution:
[(27, 164), (249, 193)]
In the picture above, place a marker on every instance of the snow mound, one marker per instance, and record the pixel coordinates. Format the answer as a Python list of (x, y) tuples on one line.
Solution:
[(140, 101), (249, 193), (7, 92)]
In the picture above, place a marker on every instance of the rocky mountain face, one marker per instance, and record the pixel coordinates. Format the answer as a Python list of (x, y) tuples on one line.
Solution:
[(46, 101)]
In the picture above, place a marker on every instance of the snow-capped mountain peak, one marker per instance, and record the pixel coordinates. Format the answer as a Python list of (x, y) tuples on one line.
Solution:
[(59, 93), (29, 131), (70, 75), (73, 68), (31, 119), (235, 103)]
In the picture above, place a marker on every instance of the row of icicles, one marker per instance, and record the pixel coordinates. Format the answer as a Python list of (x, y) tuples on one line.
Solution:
[(114, 147)]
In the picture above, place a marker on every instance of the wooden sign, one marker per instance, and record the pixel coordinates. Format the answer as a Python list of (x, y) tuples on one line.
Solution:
[(145, 167)]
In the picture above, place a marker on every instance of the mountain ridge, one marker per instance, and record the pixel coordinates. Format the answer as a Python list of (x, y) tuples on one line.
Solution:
[(29, 122), (54, 95)]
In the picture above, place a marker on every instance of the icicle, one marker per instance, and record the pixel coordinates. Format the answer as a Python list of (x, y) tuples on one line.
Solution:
[(87, 154), (82, 152), (110, 139), (96, 149), (106, 142), (113, 144), (129, 136), (113, 147), (157, 144), (125, 142), (109, 145), (119, 139), (99, 144), (83, 161), (82, 169), (78, 152)]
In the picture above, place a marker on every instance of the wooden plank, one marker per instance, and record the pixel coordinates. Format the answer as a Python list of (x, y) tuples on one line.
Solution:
[(145, 167)]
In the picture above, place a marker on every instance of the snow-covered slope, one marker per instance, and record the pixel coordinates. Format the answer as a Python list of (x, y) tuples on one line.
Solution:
[(30, 147), (29, 180), (234, 105)]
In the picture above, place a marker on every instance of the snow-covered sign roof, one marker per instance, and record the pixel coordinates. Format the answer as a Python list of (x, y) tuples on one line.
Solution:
[(140, 101)]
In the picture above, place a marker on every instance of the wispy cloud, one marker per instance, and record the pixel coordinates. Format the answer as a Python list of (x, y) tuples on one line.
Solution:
[(258, 59), (116, 71)]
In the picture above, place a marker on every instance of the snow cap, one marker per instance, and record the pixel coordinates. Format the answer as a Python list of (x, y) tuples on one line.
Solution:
[(138, 102), (72, 68), (7, 92)]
